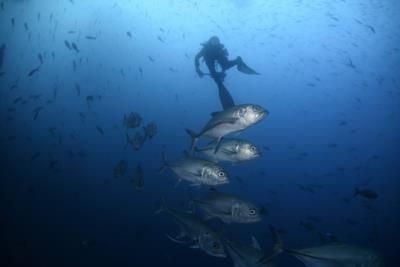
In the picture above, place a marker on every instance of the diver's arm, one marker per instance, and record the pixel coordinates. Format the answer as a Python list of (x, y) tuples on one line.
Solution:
[(197, 63)]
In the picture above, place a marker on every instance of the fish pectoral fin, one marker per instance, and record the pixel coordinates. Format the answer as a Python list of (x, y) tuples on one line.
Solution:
[(178, 182), (217, 145), (176, 240), (255, 243), (228, 151), (195, 246)]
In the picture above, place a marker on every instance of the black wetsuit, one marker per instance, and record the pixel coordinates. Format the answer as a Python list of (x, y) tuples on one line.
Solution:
[(213, 54)]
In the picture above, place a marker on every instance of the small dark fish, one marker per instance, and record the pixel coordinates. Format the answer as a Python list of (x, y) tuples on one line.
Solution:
[(71, 32), (151, 58), (2, 52), (2, 73), (35, 97), (55, 92), (52, 131), (33, 71), (78, 89), (53, 55), (53, 164), (40, 58), (172, 70), (141, 71), (26, 26), (38, 16), (82, 115), (100, 130), (120, 168), (343, 123), (75, 47), (2, 5), (138, 178), (36, 112), (366, 193), (12, 21), (160, 39), (150, 130), (35, 156), (129, 34), (350, 63), (89, 37), (332, 145), (67, 44), (18, 99), (370, 28)]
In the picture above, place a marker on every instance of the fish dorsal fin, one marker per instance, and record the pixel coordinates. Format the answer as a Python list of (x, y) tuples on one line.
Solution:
[(255, 243)]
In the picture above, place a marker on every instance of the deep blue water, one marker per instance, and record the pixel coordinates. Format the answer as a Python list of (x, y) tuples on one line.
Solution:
[(329, 78)]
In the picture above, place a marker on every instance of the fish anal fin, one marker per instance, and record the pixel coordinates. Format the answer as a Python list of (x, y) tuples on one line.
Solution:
[(255, 243)]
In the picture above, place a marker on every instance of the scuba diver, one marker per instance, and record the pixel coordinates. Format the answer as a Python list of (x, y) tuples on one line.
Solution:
[(214, 52)]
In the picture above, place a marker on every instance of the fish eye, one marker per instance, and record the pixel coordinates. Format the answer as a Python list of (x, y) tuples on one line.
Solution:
[(252, 211), (221, 174), (252, 148), (215, 245)]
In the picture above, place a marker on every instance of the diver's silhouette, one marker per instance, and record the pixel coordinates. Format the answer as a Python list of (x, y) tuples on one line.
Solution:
[(214, 52)]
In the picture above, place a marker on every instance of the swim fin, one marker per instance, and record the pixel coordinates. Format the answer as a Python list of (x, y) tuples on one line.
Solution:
[(225, 97), (242, 67)]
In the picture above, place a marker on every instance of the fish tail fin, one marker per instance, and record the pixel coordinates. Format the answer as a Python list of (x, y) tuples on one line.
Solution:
[(175, 239), (276, 238), (128, 141), (277, 248), (162, 207), (194, 138)]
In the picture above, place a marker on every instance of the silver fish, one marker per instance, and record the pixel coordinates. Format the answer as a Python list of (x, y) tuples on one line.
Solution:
[(333, 255), (197, 171), (231, 150), (229, 208), (198, 232), (247, 255), (234, 119)]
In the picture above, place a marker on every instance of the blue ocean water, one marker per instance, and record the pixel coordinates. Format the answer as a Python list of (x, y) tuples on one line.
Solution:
[(71, 69)]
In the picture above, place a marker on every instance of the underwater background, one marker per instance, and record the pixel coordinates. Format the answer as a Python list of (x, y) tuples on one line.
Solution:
[(72, 69)]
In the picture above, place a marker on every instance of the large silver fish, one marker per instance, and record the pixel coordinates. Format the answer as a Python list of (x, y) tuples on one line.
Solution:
[(197, 171), (231, 120), (334, 255), (247, 255), (198, 232), (228, 208), (231, 150)]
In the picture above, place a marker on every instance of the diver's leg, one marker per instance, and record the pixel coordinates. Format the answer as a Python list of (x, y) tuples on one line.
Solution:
[(225, 97), (227, 64)]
